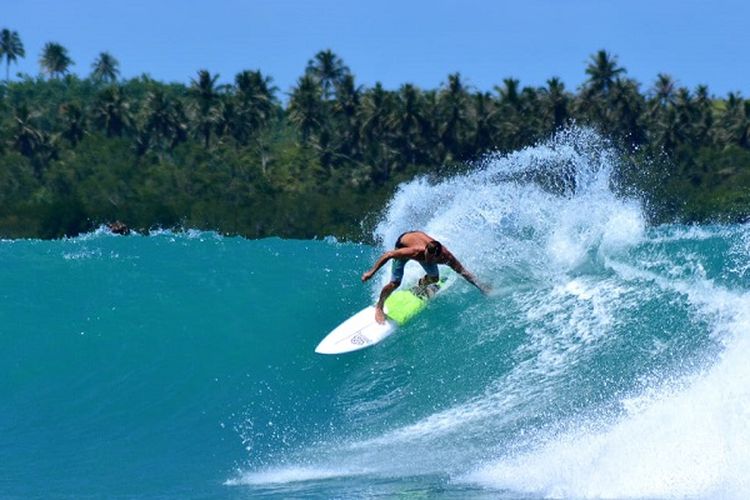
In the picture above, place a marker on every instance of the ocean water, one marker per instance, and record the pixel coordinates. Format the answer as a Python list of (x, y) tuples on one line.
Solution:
[(610, 360)]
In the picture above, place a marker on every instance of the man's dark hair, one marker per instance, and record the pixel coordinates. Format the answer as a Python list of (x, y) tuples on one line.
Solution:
[(434, 247)]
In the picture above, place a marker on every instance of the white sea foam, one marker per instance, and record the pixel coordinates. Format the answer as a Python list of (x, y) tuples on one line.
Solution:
[(687, 437), (541, 210), (284, 475)]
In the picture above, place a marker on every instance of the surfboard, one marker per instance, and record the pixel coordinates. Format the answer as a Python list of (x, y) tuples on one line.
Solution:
[(361, 330)]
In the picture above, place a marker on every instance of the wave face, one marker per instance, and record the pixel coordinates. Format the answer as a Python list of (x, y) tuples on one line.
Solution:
[(609, 360)]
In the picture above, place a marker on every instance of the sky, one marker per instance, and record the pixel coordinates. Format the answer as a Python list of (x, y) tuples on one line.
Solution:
[(396, 42)]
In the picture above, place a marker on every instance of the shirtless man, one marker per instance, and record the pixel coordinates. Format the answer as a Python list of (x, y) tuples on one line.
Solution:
[(418, 246)]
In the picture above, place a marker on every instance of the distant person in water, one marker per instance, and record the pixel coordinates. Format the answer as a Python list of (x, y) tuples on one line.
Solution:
[(118, 227), (418, 246)]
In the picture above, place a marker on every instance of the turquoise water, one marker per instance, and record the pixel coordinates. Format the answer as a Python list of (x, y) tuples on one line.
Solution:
[(609, 361)]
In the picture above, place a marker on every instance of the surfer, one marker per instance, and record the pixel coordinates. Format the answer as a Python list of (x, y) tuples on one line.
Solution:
[(118, 227), (418, 246)]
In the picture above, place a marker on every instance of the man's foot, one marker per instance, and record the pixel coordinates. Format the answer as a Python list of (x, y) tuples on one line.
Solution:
[(380, 316)]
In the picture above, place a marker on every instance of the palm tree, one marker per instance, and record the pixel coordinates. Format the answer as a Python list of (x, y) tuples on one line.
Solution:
[(660, 113), (484, 122), (105, 68), (409, 122), (55, 60), (623, 117), (256, 102), (377, 104), (11, 48), (74, 122), (509, 93), (346, 114), (328, 69), (603, 72), (454, 109), (256, 107), (111, 111), (686, 116), (432, 149), (594, 100), (180, 122), (206, 96), (163, 122), (557, 102), (705, 115), (734, 127), (664, 90), (27, 137), (306, 107), (532, 122), (33, 142), (509, 114)]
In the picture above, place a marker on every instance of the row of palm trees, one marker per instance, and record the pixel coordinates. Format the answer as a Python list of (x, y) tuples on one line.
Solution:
[(54, 60), (390, 129), (372, 131)]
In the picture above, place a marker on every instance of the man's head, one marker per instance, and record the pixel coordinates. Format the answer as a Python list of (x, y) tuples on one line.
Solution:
[(433, 250)]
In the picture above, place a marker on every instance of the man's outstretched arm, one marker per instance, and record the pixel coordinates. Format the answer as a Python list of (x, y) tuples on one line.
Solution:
[(391, 254), (378, 264), (460, 269)]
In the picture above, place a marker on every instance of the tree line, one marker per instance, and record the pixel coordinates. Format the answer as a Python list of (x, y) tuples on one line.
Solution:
[(77, 152)]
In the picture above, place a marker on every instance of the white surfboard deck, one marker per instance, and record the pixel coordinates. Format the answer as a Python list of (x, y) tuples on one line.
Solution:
[(361, 330), (357, 332)]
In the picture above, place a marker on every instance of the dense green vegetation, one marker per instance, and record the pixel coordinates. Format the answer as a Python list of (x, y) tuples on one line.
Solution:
[(75, 153)]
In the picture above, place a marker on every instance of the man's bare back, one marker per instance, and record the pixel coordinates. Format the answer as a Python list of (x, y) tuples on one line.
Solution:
[(422, 248)]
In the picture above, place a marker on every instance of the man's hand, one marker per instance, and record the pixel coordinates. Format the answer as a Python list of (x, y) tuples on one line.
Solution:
[(366, 276), (485, 289)]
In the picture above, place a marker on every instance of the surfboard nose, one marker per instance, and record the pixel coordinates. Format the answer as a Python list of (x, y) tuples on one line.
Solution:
[(357, 332)]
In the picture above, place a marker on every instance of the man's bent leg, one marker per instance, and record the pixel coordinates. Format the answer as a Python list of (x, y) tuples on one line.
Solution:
[(432, 274), (384, 293)]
